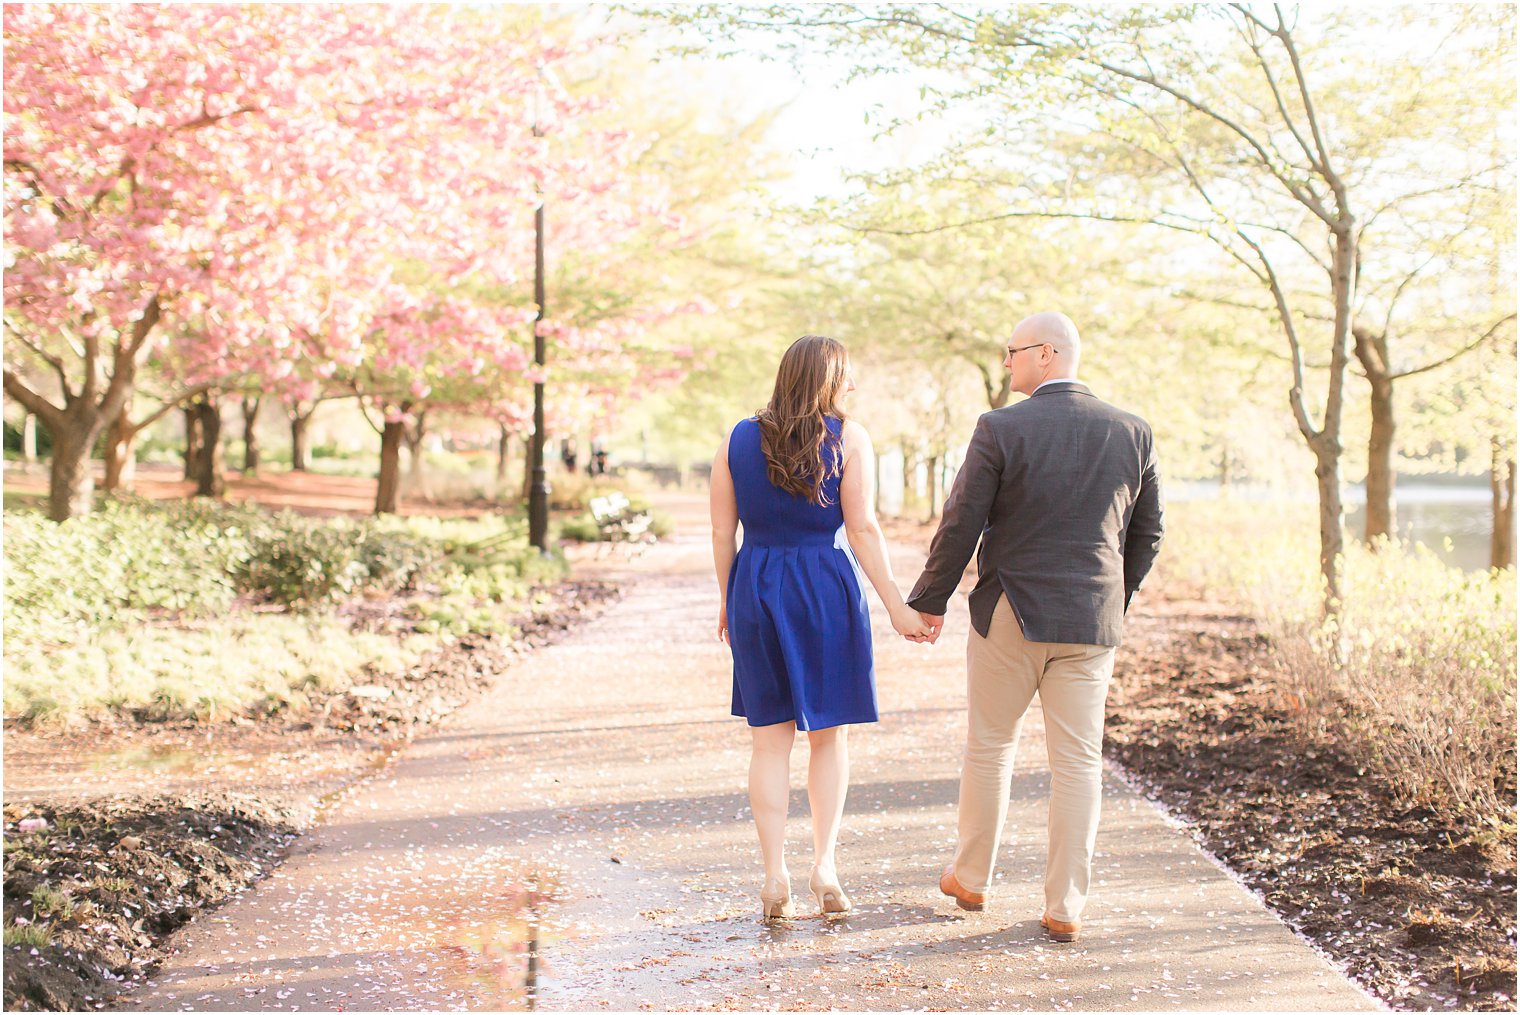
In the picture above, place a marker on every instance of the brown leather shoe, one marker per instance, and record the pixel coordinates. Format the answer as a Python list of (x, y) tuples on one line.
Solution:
[(1059, 930), (973, 901)]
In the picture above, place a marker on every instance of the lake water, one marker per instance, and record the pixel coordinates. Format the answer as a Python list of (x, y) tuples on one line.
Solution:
[(1454, 521)]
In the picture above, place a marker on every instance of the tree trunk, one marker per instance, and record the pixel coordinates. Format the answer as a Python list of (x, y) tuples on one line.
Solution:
[(29, 439), (194, 442), (121, 453), (251, 434), (211, 464), (71, 485), (876, 505), (1003, 392), (527, 477), (298, 422), (1380, 476), (414, 435), (933, 467), (1501, 481), (909, 492), (388, 493), (1332, 539), (503, 449)]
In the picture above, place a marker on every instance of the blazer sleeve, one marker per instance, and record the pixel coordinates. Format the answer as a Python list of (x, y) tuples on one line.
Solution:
[(965, 516), (1142, 541)]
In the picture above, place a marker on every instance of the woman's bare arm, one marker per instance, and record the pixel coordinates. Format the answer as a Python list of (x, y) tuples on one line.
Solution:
[(725, 527), (857, 496)]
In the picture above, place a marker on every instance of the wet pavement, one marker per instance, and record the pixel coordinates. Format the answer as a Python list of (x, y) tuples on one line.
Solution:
[(579, 839)]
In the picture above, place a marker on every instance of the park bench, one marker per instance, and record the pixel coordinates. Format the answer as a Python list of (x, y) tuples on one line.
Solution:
[(618, 522)]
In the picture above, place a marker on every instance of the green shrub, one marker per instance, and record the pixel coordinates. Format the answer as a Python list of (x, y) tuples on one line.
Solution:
[(580, 529), (395, 561), (85, 603), (574, 492), (302, 562), (122, 559)]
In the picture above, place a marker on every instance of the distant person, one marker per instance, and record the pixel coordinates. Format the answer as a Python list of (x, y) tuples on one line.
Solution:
[(568, 454), (1062, 491), (799, 477)]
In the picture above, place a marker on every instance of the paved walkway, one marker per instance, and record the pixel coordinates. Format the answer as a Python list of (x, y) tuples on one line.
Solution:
[(590, 809)]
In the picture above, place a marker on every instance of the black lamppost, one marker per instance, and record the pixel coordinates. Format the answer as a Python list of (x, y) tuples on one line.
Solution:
[(538, 493)]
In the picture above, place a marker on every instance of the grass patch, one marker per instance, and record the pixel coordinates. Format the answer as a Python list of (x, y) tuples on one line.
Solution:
[(27, 936), (262, 663), (49, 902), (17, 500)]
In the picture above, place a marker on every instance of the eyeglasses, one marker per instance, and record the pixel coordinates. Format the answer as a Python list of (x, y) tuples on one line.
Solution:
[(1053, 349)]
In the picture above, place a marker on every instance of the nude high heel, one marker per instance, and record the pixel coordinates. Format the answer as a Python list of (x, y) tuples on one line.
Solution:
[(832, 901), (776, 899)]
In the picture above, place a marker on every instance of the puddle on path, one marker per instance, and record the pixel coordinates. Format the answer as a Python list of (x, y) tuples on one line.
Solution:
[(497, 948), (165, 758), (382, 757)]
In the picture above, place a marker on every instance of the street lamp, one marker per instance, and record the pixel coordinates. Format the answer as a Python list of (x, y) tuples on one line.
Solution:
[(538, 492)]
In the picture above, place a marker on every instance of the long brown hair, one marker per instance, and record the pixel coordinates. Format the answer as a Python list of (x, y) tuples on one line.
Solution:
[(809, 383)]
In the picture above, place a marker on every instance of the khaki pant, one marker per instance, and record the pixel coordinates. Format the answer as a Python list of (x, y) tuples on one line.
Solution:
[(1003, 672)]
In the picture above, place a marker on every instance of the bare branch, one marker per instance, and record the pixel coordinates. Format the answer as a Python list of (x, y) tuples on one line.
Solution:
[(51, 360), (1266, 69), (1304, 196), (177, 400), (1284, 35), (1469, 347), (363, 410), (145, 324)]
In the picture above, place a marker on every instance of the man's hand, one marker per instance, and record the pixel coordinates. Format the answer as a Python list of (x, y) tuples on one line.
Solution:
[(935, 624)]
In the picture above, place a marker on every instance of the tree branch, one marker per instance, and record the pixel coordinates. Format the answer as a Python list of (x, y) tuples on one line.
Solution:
[(175, 401), (38, 406), (1459, 353), (55, 362)]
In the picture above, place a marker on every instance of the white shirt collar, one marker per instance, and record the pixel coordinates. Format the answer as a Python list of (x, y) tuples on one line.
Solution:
[(1057, 380)]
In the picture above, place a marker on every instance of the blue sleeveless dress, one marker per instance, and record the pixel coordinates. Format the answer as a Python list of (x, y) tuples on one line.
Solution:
[(797, 617)]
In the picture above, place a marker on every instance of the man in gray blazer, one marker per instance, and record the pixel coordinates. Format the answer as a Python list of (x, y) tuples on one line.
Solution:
[(1061, 489)]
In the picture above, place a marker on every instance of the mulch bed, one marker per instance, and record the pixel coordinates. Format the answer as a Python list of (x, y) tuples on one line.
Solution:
[(108, 881), (91, 897), (1414, 904)]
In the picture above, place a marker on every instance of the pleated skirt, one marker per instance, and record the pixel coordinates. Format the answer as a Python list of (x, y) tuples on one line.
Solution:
[(801, 637)]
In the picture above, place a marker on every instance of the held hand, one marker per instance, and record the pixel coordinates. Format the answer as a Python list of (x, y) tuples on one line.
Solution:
[(723, 622), (935, 624), (908, 623)]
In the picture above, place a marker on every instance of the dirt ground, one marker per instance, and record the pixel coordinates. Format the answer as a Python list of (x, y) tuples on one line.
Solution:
[(1418, 907)]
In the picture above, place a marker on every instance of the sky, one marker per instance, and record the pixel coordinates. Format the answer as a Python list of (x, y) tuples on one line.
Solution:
[(827, 128)]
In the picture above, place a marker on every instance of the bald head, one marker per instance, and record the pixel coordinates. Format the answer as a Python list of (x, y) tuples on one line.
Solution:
[(1044, 347), (1052, 327)]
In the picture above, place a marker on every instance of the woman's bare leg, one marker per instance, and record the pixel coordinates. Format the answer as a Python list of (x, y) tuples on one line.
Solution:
[(828, 782), (769, 787)]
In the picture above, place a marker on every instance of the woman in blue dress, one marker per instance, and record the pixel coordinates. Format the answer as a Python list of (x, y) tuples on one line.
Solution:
[(799, 477)]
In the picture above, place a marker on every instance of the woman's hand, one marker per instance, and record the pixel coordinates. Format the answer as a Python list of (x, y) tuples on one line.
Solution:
[(723, 622), (907, 622)]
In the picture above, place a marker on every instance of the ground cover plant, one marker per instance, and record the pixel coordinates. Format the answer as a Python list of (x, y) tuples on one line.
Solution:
[(203, 609)]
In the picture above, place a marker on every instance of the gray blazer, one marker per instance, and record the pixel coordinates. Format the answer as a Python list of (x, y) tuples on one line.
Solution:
[(1062, 491)]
